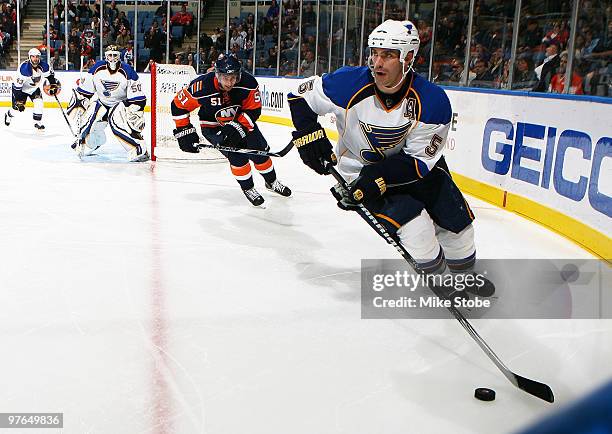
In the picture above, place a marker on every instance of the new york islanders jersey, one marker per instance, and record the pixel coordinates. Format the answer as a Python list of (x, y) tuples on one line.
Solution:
[(112, 87), (29, 77), (374, 126), (215, 106)]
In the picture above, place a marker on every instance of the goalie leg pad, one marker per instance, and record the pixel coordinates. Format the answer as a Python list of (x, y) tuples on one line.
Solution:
[(121, 120), (92, 129)]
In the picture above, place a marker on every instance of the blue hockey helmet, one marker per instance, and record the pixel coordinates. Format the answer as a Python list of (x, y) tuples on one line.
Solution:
[(228, 63)]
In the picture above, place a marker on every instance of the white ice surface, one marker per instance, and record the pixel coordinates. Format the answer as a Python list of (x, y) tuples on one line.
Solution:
[(152, 298)]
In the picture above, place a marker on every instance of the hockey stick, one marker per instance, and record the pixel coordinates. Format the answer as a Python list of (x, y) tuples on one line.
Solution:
[(65, 117), (532, 387), (280, 153)]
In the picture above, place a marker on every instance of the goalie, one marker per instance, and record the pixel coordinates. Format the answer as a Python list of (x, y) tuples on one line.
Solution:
[(30, 74), (120, 104)]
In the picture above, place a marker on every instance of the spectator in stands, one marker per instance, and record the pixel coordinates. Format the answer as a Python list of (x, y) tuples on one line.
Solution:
[(123, 21), (546, 70), (111, 12), (123, 39), (309, 17), (496, 66), (273, 10), (524, 78), (183, 18), (163, 9), (127, 54), (107, 36), (58, 62), (153, 41), (557, 83), (457, 75), (532, 36), (74, 38), (237, 39), (483, 77), (74, 56), (307, 68), (557, 35), (220, 40), (84, 11)]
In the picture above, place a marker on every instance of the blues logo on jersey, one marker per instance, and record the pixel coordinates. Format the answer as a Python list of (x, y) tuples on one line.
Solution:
[(382, 139)]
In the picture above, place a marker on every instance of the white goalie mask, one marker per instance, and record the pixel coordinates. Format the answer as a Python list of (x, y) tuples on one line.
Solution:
[(395, 35), (112, 55)]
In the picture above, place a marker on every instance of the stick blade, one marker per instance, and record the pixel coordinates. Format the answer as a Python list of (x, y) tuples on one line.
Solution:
[(535, 388)]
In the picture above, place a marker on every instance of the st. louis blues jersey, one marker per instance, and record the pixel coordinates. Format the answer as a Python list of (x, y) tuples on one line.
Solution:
[(409, 127), (112, 87), (29, 77), (215, 106)]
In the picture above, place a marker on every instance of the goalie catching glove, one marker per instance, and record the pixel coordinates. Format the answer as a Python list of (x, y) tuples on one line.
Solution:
[(314, 147), (188, 138), (232, 134), (368, 186)]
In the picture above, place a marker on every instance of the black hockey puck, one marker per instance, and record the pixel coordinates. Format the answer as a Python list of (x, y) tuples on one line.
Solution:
[(484, 394)]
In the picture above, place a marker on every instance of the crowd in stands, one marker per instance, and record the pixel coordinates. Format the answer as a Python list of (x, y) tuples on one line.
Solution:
[(117, 29), (8, 27), (542, 49), (541, 58)]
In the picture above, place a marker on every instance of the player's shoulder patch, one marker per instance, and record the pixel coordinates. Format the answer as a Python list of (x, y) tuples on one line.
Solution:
[(100, 65), (435, 107), (129, 71), (25, 69), (44, 66), (347, 84)]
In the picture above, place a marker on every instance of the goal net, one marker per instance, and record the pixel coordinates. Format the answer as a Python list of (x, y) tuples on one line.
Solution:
[(166, 81)]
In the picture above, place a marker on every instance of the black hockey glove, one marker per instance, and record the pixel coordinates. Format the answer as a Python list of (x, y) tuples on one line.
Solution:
[(314, 148), (369, 185), (54, 85), (232, 134), (188, 138), (19, 105)]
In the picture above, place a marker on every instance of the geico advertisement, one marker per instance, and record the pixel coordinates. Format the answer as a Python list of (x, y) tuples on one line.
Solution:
[(555, 152)]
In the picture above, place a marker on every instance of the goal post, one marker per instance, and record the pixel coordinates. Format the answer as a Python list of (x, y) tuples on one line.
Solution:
[(166, 81)]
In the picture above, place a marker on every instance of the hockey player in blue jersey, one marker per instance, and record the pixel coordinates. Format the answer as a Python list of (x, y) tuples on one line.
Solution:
[(119, 104), (392, 126), (30, 75)]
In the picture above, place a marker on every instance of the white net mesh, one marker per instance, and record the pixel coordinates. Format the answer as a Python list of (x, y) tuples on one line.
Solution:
[(166, 81)]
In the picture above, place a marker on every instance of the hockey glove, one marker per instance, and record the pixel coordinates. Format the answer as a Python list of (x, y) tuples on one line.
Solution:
[(188, 138), (314, 148), (344, 198), (369, 185), (54, 85), (19, 105), (232, 134), (135, 117)]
